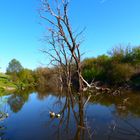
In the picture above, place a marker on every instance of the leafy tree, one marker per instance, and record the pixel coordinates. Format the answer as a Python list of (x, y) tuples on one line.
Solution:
[(26, 76), (120, 73), (14, 67), (136, 55), (96, 68), (88, 69), (44, 77), (117, 53), (115, 69)]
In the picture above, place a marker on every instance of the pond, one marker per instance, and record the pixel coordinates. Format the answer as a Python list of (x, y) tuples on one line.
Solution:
[(103, 117)]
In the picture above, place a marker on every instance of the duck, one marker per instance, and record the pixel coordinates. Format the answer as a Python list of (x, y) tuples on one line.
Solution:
[(52, 114), (57, 115)]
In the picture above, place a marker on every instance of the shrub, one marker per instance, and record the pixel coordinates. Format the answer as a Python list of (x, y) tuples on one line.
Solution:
[(120, 73)]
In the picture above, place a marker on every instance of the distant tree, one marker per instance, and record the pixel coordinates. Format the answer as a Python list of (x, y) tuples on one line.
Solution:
[(14, 67), (120, 73), (121, 54), (96, 68), (136, 55), (44, 77)]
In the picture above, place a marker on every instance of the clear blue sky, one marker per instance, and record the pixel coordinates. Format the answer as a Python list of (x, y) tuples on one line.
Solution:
[(107, 22)]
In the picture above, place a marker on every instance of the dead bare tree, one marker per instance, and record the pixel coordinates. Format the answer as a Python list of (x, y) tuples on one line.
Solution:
[(59, 59), (64, 47)]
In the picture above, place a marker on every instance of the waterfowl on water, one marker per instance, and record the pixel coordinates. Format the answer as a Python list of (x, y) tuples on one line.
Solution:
[(58, 115), (52, 114)]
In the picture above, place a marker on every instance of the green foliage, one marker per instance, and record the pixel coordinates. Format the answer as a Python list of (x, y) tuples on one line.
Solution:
[(120, 73), (14, 67), (26, 76), (125, 55), (118, 67), (115, 69), (95, 68), (6, 83), (136, 55), (19, 76), (89, 71), (43, 76)]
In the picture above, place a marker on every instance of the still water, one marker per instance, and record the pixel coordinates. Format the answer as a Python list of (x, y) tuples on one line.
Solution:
[(104, 117)]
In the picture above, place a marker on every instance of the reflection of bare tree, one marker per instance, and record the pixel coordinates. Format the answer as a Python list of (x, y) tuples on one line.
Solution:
[(80, 122), (73, 109), (2, 132), (64, 45), (126, 131), (2, 126)]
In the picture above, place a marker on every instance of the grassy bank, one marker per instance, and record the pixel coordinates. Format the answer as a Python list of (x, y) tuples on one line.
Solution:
[(6, 83)]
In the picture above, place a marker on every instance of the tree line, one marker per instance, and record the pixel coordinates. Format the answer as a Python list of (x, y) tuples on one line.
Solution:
[(41, 77), (120, 67)]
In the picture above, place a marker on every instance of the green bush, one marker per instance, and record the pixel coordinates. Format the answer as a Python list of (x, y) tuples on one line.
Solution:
[(120, 73), (115, 69)]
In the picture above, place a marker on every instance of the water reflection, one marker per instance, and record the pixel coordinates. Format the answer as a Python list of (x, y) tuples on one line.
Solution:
[(126, 131), (17, 100), (125, 104), (82, 116), (2, 132), (2, 117), (70, 111), (74, 106)]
